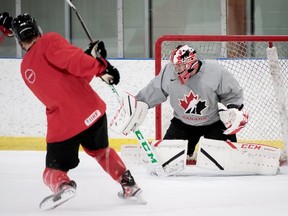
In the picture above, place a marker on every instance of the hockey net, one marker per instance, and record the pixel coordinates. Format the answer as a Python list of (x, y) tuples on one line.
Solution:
[(264, 81)]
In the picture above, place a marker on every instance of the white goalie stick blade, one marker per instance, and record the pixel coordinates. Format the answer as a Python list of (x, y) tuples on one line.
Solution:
[(171, 154), (243, 158)]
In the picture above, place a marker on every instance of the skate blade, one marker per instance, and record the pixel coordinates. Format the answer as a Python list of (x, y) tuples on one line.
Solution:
[(56, 200), (136, 199)]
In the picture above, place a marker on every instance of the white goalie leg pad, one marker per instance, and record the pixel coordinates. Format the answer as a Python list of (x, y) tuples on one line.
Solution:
[(171, 154), (129, 116), (244, 158), (132, 155)]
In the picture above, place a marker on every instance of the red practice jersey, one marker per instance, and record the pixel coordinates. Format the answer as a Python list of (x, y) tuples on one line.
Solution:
[(59, 74)]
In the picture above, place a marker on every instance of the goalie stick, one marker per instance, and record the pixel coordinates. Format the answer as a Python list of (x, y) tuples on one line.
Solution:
[(155, 167)]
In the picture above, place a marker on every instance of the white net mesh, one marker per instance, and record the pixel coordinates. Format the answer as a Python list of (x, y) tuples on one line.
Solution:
[(247, 61)]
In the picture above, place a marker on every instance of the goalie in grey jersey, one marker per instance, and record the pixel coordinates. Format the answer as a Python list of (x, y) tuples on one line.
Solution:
[(195, 89)]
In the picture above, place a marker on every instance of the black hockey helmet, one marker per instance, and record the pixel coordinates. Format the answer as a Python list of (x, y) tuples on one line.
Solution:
[(25, 27)]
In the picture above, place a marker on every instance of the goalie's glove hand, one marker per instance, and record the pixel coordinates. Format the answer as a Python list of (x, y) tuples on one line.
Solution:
[(233, 118), (6, 24), (111, 75), (96, 49)]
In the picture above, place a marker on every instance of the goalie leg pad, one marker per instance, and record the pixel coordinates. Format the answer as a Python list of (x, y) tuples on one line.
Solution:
[(171, 154), (244, 158)]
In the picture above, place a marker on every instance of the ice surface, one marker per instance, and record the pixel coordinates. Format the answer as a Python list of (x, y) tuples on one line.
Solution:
[(194, 192)]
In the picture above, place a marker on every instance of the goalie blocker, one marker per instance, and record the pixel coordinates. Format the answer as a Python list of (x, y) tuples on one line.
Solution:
[(129, 116)]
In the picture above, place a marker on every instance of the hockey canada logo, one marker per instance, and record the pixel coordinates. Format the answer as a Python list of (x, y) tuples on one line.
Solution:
[(192, 104)]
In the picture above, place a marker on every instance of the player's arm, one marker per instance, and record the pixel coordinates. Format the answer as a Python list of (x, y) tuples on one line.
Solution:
[(133, 110), (73, 60), (98, 51), (69, 58), (6, 24), (153, 93), (231, 110), (229, 90)]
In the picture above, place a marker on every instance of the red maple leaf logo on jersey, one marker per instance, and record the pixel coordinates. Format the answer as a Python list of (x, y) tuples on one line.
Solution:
[(192, 104)]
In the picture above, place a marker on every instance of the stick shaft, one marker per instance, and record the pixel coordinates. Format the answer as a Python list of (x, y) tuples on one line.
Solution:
[(81, 20), (154, 162)]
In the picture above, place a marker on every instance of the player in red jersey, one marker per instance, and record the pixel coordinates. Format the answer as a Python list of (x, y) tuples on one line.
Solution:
[(59, 74)]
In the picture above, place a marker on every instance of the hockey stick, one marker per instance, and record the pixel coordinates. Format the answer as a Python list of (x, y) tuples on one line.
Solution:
[(154, 163), (157, 168), (81, 21), (90, 38)]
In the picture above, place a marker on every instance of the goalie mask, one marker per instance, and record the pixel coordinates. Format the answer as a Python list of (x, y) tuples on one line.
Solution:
[(185, 62), (25, 27)]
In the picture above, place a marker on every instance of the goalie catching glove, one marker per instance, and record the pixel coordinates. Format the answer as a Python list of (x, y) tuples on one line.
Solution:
[(129, 116), (233, 118)]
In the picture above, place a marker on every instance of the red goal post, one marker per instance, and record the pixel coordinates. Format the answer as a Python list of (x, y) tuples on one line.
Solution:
[(264, 81)]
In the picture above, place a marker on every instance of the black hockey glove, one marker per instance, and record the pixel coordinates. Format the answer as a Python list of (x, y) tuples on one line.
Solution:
[(111, 75), (231, 106), (96, 49), (6, 23)]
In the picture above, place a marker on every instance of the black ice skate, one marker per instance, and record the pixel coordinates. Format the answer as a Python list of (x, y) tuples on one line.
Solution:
[(130, 191), (67, 191)]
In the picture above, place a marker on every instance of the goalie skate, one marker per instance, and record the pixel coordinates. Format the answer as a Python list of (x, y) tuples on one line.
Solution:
[(67, 192)]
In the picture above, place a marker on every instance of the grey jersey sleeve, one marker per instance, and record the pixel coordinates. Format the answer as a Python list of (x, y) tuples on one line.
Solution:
[(153, 93), (229, 90)]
